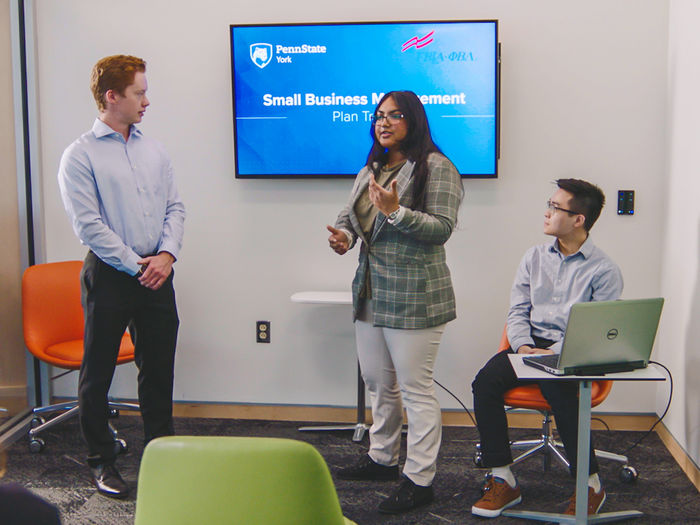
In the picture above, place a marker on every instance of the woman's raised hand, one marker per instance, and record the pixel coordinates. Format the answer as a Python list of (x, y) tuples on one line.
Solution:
[(386, 201), (338, 241)]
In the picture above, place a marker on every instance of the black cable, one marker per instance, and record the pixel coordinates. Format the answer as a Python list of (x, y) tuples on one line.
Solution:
[(599, 420), (62, 374), (458, 400), (668, 405)]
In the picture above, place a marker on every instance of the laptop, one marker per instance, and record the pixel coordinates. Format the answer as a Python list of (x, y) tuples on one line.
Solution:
[(604, 337)]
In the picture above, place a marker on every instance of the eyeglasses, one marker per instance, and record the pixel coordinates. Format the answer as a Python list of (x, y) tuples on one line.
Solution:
[(551, 207), (391, 118)]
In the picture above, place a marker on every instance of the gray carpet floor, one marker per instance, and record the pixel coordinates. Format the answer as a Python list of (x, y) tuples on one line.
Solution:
[(662, 491)]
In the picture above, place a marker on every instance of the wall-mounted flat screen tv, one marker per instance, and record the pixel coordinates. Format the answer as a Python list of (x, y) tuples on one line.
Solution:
[(304, 94)]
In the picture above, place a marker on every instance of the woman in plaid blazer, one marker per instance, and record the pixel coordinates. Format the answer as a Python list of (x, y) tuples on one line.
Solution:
[(403, 208)]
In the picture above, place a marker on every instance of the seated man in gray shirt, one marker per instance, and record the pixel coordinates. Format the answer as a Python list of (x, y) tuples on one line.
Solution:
[(550, 279)]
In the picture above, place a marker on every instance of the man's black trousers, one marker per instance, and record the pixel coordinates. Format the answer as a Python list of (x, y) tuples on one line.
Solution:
[(113, 301), (496, 378)]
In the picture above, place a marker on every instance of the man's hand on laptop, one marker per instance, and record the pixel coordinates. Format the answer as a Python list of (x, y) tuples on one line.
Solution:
[(525, 349)]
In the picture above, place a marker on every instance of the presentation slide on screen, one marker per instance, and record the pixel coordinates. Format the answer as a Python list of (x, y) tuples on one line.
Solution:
[(304, 95)]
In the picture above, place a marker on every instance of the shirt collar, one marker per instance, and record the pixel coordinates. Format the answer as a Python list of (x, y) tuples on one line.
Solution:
[(585, 250), (100, 129)]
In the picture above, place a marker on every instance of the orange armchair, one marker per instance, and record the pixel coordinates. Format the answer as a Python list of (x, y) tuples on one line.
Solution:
[(530, 397), (53, 332)]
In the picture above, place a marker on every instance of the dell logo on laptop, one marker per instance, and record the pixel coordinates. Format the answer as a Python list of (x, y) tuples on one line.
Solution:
[(612, 334)]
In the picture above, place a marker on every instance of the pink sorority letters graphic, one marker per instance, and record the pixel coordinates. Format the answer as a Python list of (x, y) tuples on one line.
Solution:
[(417, 42)]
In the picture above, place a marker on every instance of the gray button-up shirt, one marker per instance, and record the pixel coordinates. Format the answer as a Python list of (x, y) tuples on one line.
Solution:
[(548, 283), (121, 197)]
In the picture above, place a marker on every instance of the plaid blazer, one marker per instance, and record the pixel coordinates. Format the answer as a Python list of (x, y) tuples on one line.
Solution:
[(410, 280)]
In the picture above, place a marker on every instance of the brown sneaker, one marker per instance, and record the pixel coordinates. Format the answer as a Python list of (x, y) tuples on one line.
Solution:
[(595, 501), (498, 496)]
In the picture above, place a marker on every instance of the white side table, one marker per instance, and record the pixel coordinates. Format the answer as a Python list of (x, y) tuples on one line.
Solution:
[(338, 298)]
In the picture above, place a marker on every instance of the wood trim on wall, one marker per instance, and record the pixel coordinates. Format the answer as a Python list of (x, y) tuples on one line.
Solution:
[(321, 414), (686, 463), (12, 352)]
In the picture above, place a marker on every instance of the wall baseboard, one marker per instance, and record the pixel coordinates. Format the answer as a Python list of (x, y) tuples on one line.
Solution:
[(680, 455), (323, 414), (13, 398), (13, 391)]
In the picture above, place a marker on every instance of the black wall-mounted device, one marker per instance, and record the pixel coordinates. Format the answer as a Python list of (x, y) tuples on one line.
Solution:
[(625, 202)]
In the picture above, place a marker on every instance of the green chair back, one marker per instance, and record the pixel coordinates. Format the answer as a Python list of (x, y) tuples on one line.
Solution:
[(187, 480)]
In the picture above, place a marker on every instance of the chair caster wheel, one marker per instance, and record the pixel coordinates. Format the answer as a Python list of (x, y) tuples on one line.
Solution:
[(37, 421), (120, 446), (628, 474), (36, 445), (113, 413), (478, 459)]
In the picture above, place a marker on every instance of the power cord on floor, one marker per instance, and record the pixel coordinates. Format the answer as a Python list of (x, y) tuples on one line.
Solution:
[(626, 452), (62, 374), (458, 400), (472, 417), (668, 405), (602, 422)]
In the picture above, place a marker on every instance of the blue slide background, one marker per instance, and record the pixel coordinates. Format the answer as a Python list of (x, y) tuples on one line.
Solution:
[(361, 59)]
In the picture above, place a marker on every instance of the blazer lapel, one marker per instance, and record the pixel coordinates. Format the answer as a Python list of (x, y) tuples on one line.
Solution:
[(361, 186)]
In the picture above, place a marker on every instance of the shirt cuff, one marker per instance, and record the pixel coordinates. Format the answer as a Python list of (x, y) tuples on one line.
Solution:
[(132, 264), (399, 215), (556, 347), (171, 248), (348, 235), (521, 341)]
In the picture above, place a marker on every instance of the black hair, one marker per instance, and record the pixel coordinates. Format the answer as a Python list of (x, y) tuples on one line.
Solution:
[(587, 199), (416, 146)]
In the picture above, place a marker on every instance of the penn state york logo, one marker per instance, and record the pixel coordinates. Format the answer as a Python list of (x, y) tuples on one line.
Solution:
[(261, 54)]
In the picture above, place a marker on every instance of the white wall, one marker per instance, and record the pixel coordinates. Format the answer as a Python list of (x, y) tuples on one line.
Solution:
[(679, 339), (583, 95)]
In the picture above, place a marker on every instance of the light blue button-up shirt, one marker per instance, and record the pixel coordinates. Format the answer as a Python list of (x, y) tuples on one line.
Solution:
[(548, 283), (121, 196)]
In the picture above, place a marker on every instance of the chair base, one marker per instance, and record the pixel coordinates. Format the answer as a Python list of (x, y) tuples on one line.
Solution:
[(549, 447), (358, 429), (68, 410), (551, 517)]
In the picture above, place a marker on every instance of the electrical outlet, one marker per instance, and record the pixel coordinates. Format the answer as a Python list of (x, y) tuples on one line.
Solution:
[(262, 331)]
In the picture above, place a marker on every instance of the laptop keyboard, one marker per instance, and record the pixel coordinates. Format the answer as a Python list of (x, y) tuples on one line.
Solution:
[(546, 359)]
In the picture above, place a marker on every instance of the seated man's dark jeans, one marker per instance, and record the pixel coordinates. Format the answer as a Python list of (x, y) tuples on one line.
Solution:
[(496, 378)]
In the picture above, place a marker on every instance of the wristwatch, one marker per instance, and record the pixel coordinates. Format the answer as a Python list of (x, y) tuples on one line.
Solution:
[(392, 216)]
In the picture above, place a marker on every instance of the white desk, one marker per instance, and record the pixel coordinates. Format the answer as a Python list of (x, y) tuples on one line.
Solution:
[(522, 371), (338, 298)]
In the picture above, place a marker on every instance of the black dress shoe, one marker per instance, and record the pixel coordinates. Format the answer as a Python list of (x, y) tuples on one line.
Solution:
[(408, 496), (108, 482), (367, 470)]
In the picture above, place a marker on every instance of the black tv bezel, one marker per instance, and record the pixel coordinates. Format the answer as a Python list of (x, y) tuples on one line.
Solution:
[(325, 176)]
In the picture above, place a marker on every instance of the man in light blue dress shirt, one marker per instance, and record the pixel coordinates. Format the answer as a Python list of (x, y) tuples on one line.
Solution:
[(550, 279), (118, 189)]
